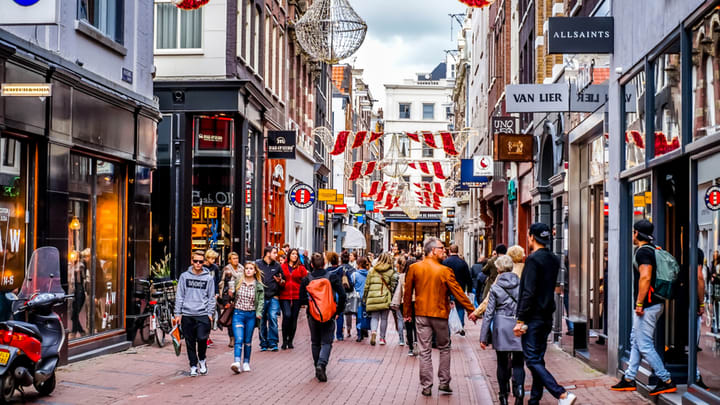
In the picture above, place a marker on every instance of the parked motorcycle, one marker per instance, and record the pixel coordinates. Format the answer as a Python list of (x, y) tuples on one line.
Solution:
[(29, 351)]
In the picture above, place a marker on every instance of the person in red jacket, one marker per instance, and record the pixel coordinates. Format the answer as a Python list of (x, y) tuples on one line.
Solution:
[(289, 296)]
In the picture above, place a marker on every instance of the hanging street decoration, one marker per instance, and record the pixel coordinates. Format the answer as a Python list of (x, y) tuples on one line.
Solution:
[(190, 4), (330, 30), (477, 3), (451, 142)]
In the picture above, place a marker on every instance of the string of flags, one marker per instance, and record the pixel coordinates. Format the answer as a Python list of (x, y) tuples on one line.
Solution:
[(448, 139)]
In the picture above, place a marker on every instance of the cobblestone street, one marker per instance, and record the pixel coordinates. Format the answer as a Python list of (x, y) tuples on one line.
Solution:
[(358, 374)]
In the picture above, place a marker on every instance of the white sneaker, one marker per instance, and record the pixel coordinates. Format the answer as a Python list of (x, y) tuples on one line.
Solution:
[(193, 372), (203, 367), (235, 367), (246, 366), (568, 400), (401, 343)]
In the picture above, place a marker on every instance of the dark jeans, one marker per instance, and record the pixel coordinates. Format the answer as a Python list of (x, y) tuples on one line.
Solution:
[(534, 343), (321, 340), (196, 330), (339, 325), (290, 311), (410, 332), (510, 363)]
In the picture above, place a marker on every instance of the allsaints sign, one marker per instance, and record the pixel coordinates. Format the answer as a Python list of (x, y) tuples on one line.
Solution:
[(580, 35)]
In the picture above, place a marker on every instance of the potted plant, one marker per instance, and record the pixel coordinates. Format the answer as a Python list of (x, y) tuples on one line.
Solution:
[(160, 271)]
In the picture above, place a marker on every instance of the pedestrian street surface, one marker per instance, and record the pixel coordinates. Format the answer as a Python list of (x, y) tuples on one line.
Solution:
[(357, 374)]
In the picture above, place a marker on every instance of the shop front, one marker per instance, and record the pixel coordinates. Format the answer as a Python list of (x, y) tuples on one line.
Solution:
[(74, 174), (410, 233), (669, 174)]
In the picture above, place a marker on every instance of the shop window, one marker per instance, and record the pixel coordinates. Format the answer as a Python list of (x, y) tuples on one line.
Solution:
[(635, 121), (705, 80), (598, 159), (176, 28), (642, 199), (95, 218), (13, 227), (105, 15), (708, 190), (668, 104)]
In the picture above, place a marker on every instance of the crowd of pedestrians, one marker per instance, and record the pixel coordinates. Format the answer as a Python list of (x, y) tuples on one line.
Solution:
[(350, 295)]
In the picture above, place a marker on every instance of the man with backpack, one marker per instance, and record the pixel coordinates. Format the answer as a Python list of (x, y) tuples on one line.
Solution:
[(653, 271), (318, 291)]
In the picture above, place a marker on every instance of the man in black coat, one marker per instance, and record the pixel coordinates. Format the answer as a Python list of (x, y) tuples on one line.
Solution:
[(462, 275)]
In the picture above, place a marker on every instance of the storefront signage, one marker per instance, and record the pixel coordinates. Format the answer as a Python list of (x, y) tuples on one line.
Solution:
[(560, 97), (505, 125), (482, 165), (449, 227), (369, 205), (217, 198), (425, 216), (327, 194), (301, 195), (281, 144), (513, 148), (339, 200), (712, 198), (26, 90), (28, 12), (11, 242), (467, 175), (580, 35)]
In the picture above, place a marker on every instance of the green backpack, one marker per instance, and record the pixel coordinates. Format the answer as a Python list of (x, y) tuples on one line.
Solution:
[(666, 273)]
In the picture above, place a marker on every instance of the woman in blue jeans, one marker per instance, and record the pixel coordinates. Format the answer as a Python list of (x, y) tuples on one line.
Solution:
[(249, 301)]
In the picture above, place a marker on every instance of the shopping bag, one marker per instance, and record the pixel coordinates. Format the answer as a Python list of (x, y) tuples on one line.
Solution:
[(471, 297), (454, 321), (351, 305), (226, 316), (176, 339)]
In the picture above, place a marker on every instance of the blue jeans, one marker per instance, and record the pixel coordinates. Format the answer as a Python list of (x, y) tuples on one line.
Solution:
[(339, 322), (243, 324), (642, 344), (269, 324), (534, 344)]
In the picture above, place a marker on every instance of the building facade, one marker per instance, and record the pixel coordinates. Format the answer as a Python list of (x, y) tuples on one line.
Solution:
[(76, 167)]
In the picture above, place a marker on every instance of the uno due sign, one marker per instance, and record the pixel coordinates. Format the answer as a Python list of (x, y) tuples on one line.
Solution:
[(505, 125)]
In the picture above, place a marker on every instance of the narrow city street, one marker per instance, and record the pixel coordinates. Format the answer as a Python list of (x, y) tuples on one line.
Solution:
[(357, 374)]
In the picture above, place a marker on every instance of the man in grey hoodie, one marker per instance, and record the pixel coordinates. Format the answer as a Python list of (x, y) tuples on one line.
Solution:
[(194, 307)]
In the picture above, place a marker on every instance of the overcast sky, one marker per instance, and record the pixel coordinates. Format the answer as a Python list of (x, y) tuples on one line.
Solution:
[(404, 37)]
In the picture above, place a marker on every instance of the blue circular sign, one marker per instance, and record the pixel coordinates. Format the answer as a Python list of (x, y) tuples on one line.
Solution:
[(26, 3), (301, 195), (712, 198)]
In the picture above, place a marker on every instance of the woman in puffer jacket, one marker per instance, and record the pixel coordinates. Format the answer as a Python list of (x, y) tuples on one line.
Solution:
[(500, 313), (289, 296), (379, 288)]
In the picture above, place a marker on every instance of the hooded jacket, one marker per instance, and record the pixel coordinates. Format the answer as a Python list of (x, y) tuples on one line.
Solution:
[(379, 288), (502, 300), (272, 288), (358, 279), (293, 278), (195, 294)]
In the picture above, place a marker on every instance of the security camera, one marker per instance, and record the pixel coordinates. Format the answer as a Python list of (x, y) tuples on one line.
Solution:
[(618, 70)]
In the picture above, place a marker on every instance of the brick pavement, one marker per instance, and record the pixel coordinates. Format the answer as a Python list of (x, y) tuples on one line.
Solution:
[(358, 374)]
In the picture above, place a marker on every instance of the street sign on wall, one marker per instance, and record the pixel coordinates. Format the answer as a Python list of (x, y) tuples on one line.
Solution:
[(580, 35)]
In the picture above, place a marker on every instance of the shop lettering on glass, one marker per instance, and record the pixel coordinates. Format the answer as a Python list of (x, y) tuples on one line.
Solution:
[(220, 198), (10, 240)]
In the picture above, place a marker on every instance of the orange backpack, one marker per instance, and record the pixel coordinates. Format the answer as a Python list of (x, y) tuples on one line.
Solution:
[(322, 299)]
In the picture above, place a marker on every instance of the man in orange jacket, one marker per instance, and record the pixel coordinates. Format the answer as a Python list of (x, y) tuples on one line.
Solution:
[(432, 283)]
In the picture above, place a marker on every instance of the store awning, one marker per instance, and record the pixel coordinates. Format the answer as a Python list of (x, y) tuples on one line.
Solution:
[(354, 239)]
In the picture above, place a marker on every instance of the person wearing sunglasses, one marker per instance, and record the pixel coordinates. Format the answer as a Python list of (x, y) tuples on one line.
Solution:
[(194, 307)]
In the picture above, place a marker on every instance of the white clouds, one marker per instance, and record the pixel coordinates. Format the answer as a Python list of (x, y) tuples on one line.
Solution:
[(404, 37)]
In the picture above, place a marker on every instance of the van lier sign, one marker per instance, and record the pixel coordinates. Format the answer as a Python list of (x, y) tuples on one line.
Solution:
[(581, 35), (561, 97)]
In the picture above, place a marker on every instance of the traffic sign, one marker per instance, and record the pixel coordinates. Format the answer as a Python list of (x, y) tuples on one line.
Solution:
[(301, 195), (712, 198), (341, 209), (327, 194)]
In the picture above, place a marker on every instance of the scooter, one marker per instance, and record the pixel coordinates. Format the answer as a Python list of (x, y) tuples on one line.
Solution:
[(29, 351)]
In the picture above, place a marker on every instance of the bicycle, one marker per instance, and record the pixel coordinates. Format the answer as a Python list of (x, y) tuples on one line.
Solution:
[(146, 319), (164, 308)]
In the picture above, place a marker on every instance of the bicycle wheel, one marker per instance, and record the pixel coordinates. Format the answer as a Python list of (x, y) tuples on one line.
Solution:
[(159, 331), (146, 332), (166, 318)]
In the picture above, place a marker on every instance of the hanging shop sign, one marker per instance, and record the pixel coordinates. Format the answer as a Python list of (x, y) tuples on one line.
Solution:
[(483, 165), (449, 227), (467, 176), (26, 90), (712, 198), (560, 97), (580, 35), (505, 125), (399, 216), (28, 12), (513, 148), (301, 195), (369, 205), (327, 194), (281, 144), (339, 200)]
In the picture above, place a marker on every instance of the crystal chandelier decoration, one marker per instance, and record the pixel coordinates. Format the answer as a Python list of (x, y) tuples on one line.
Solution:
[(330, 30), (409, 207)]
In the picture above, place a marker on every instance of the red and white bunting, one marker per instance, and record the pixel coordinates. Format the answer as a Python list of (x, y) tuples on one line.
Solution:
[(360, 138), (360, 169)]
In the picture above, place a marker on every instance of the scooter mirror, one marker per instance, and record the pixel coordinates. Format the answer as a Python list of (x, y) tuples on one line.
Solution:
[(11, 296)]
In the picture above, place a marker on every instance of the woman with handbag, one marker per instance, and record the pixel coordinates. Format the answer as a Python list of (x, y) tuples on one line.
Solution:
[(500, 313), (289, 296), (377, 296), (249, 303), (224, 297)]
